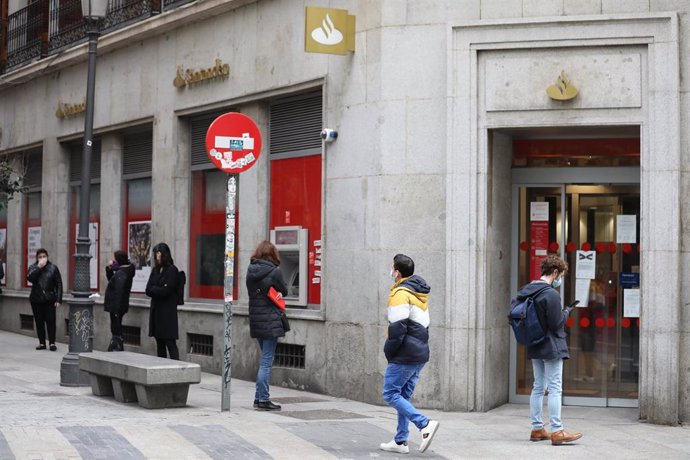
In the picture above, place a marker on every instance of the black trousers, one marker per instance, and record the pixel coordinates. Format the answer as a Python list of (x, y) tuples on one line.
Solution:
[(116, 325), (171, 345), (44, 315)]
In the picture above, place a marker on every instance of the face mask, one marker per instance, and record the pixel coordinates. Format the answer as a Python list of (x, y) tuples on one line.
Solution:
[(556, 283), (43, 260), (393, 275)]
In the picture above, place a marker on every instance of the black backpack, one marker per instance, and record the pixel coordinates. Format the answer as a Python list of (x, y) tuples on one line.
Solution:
[(181, 281), (524, 320)]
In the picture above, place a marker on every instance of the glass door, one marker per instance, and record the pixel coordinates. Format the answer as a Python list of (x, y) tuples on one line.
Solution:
[(595, 228)]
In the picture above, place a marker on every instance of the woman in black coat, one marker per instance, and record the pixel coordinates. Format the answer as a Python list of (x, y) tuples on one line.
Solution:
[(162, 288), (45, 297), (120, 273), (265, 323)]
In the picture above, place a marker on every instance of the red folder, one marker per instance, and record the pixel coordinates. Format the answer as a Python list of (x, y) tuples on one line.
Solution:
[(274, 296)]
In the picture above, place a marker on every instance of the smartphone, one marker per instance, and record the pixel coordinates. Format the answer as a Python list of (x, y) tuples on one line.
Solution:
[(574, 304)]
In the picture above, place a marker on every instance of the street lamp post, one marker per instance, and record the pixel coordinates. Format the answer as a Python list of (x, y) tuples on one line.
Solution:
[(81, 304)]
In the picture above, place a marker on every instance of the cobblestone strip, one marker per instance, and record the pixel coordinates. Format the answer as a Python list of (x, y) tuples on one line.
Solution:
[(160, 442), (220, 443), (5, 451), (39, 443), (276, 441), (353, 439), (101, 442)]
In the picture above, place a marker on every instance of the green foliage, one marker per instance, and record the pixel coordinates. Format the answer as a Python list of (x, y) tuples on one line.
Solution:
[(10, 182)]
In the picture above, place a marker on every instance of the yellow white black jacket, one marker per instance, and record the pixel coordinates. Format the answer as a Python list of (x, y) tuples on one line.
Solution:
[(408, 322)]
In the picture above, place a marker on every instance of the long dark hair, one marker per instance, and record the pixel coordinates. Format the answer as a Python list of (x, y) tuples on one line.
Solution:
[(166, 258), (266, 251)]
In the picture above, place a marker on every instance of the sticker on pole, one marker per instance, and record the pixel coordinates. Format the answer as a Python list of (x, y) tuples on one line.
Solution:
[(233, 142)]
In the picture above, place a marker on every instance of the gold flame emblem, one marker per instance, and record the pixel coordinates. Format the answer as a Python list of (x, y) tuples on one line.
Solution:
[(563, 90)]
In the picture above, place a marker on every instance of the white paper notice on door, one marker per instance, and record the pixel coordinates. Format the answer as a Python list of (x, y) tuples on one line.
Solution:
[(539, 211), (626, 229), (582, 291), (631, 303), (585, 265)]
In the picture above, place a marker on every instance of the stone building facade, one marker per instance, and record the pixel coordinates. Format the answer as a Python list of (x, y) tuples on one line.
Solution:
[(449, 149)]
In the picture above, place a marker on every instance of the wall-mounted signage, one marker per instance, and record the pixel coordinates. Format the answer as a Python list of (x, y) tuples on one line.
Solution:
[(185, 77), (328, 30), (563, 90), (68, 110)]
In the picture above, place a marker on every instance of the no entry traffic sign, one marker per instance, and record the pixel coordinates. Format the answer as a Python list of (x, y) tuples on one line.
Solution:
[(233, 142)]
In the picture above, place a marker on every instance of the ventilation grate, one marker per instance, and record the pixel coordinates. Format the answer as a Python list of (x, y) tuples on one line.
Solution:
[(34, 169), (199, 126), (26, 322), (289, 355), (131, 335), (76, 151), (200, 344), (137, 153), (295, 124)]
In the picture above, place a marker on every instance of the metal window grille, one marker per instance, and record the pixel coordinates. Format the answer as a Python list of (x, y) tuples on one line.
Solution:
[(295, 124), (34, 169), (289, 355), (200, 344), (76, 151), (26, 322), (137, 153), (131, 335)]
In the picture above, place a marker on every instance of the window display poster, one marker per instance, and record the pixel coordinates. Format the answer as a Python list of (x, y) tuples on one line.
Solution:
[(631, 303), (539, 211), (3, 253), (93, 251), (539, 243), (139, 249), (582, 291), (586, 262), (33, 238), (626, 229)]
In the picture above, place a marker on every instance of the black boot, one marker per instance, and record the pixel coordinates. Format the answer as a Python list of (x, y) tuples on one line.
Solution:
[(119, 344), (267, 405), (112, 345)]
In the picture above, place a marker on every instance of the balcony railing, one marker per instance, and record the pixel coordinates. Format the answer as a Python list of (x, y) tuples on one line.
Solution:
[(46, 26)]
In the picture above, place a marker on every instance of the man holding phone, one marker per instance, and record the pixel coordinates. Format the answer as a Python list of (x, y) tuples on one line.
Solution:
[(547, 357)]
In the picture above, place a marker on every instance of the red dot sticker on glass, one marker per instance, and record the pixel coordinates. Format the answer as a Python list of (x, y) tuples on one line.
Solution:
[(584, 322), (524, 246), (627, 248), (601, 247), (612, 248), (586, 246), (553, 246), (570, 247)]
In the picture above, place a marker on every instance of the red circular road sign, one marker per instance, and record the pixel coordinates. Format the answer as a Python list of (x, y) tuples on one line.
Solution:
[(233, 142)]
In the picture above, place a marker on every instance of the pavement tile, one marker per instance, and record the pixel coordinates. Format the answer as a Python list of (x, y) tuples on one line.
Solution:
[(101, 442), (5, 451), (220, 443)]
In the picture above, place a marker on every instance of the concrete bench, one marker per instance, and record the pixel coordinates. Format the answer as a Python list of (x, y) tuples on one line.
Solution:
[(152, 381)]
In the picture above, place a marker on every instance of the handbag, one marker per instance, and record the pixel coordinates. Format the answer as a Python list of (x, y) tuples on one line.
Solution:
[(276, 298), (284, 321)]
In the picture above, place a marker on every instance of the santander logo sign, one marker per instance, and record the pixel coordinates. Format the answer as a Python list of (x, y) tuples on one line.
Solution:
[(327, 34)]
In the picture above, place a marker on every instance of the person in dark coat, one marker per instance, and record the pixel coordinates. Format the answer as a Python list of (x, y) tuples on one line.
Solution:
[(547, 357), (162, 288), (45, 297), (265, 323), (120, 273)]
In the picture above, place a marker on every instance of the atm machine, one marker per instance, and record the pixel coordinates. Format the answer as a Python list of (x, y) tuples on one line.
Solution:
[(291, 243)]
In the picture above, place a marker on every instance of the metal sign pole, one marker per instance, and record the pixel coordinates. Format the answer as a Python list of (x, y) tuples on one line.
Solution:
[(230, 203)]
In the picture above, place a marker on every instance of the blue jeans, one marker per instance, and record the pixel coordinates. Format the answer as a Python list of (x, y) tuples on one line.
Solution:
[(263, 377), (398, 386), (548, 373)]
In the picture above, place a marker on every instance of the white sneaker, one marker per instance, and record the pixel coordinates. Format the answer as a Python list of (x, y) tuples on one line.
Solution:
[(392, 446), (428, 433)]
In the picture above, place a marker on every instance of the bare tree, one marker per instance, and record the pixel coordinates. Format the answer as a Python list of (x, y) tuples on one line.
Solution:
[(12, 172)]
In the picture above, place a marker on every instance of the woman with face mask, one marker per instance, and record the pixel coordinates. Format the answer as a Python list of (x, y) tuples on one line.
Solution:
[(45, 297)]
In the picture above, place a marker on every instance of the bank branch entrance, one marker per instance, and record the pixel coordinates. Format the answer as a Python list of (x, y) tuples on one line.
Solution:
[(580, 198)]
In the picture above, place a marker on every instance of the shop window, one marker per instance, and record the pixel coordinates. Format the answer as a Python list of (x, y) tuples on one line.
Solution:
[(208, 219), (3, 244), (295, 199), (32, 210), (136, 232), (76, 152)]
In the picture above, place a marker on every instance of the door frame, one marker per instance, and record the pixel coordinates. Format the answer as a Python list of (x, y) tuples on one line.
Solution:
[(560, 177)]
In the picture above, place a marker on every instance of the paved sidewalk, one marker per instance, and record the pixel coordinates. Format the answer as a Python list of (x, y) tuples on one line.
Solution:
[(39, 419)]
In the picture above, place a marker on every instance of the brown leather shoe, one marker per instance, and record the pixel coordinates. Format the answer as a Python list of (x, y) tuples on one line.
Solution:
[(562, 436), (539, 435)]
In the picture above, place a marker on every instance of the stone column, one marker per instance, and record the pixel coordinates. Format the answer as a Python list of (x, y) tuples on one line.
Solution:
[(14, 274), (111, 201), (55, 201)]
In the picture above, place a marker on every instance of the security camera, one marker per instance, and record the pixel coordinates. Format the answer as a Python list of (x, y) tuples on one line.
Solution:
[(329, 135)]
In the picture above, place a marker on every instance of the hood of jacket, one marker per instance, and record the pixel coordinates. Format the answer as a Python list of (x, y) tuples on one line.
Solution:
[(259, 269), (530, 289), (128, 269), (166, 255), (415, 285)]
